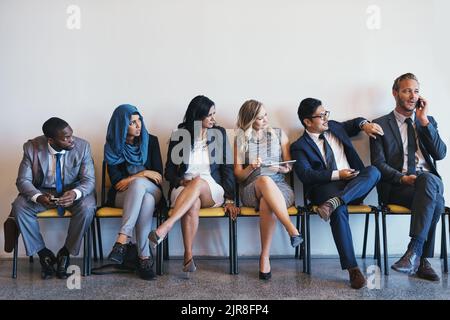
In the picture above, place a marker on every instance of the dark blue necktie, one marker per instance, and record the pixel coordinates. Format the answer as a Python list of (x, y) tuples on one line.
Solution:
[(412, 147), (329, 155), (58, 182)]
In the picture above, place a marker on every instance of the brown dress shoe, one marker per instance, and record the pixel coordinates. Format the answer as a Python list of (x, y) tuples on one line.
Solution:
[(357, 279), (408, 263), (325, 210), (426, 272)]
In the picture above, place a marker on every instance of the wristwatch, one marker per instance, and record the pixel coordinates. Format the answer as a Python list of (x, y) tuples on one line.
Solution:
[(363, 123), (228, 201)]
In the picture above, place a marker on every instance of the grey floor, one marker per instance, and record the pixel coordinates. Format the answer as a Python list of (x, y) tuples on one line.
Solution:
[(212, 281)]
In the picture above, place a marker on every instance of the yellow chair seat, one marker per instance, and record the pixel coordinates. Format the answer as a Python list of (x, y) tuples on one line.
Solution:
[(251, 212), (355, 209), (52, 213), (109, 212), (393, 208), (208, 212)]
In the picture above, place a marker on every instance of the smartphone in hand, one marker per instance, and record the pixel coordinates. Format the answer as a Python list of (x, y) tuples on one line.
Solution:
[(419, 104)]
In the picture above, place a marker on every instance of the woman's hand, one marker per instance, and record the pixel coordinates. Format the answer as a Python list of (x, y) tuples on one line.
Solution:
[(283, 168), (153, 175), (232, 210), (123, 184), (256, 164)]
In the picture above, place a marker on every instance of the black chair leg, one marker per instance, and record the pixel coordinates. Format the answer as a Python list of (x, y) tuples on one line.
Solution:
[(99, 233), (16, 247), (94, 240), (376, 245), (230, 245), (235, 249), (308, 244), (385, 250), (377, 238), (31, 259), (85, 245), (89, 257), (366, 229), (297, 224), (444, 244), (303, 254)]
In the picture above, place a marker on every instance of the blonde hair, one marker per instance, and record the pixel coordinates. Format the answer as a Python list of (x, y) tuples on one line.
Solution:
[(247, 115)]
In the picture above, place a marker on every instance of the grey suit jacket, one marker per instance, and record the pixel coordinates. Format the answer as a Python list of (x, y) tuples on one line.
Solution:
[(386, 151), (78, 168)]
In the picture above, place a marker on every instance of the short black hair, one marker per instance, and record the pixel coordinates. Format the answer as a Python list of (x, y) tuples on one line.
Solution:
[(52, 126), (307, 108)]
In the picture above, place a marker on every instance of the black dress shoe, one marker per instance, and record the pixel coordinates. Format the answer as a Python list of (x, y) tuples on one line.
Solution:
[(408, 263), (265, 275), (426, 272), (118, 252), (63, 262), (145, 269), (47, 262)]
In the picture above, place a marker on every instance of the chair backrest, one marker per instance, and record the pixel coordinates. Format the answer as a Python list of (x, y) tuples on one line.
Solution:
[(106, 183)]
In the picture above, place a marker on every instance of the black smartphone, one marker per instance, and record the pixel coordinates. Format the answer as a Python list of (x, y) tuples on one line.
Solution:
[(419, 104)]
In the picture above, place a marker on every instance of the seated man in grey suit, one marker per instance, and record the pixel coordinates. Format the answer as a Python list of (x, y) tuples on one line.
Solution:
[(57, 170), (404, 156)]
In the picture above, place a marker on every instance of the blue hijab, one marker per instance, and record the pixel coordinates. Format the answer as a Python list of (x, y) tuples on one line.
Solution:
[(116, 149)]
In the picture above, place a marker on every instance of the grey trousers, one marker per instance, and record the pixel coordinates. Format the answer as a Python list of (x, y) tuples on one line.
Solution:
[(138, 203), (25, 212), (426, 202)]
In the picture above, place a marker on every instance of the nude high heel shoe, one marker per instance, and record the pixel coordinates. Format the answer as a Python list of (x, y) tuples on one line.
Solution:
[(189, 267)]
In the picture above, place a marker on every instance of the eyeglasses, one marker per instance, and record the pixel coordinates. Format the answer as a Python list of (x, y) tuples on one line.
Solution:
[(322, 116)]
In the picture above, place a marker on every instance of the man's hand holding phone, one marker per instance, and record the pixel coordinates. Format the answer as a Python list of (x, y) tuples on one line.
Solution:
[(348, 174), (422, 111), (66, 199), (45, 200), (409, 180)]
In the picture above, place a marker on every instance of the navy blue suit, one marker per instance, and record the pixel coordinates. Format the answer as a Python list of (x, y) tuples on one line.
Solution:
[(425, 198), (316, 178)]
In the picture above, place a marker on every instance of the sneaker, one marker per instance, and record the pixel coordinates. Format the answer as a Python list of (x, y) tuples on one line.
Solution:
[(145, 269), (118, 252)]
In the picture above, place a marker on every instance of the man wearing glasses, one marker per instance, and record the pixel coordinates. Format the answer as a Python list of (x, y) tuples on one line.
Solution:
[(333, 175)]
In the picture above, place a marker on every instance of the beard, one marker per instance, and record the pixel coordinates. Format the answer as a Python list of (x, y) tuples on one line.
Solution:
[(405, 105)]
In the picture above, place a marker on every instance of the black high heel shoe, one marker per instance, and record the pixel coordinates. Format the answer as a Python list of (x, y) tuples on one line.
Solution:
[(265, 276)]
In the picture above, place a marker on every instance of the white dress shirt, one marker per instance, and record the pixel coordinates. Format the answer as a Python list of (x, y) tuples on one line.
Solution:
[(421, 164), (338, 151)]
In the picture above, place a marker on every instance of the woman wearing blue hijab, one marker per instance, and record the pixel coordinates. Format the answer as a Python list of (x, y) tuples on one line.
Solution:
[(135, 170)]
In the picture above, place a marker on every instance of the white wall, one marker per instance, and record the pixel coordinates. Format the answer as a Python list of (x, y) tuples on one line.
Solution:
[(160, 54)]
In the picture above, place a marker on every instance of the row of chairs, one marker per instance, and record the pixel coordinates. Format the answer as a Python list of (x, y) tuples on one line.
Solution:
[(301, 213)]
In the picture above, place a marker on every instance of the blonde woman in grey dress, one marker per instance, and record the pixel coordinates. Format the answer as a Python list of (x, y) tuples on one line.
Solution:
[(263, 186)]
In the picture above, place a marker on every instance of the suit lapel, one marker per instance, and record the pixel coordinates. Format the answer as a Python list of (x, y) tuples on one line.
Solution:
[(43, 159), (315, 148), (395, 130)]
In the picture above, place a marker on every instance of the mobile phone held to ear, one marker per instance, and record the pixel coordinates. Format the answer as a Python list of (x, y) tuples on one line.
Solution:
[(419, 104)]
